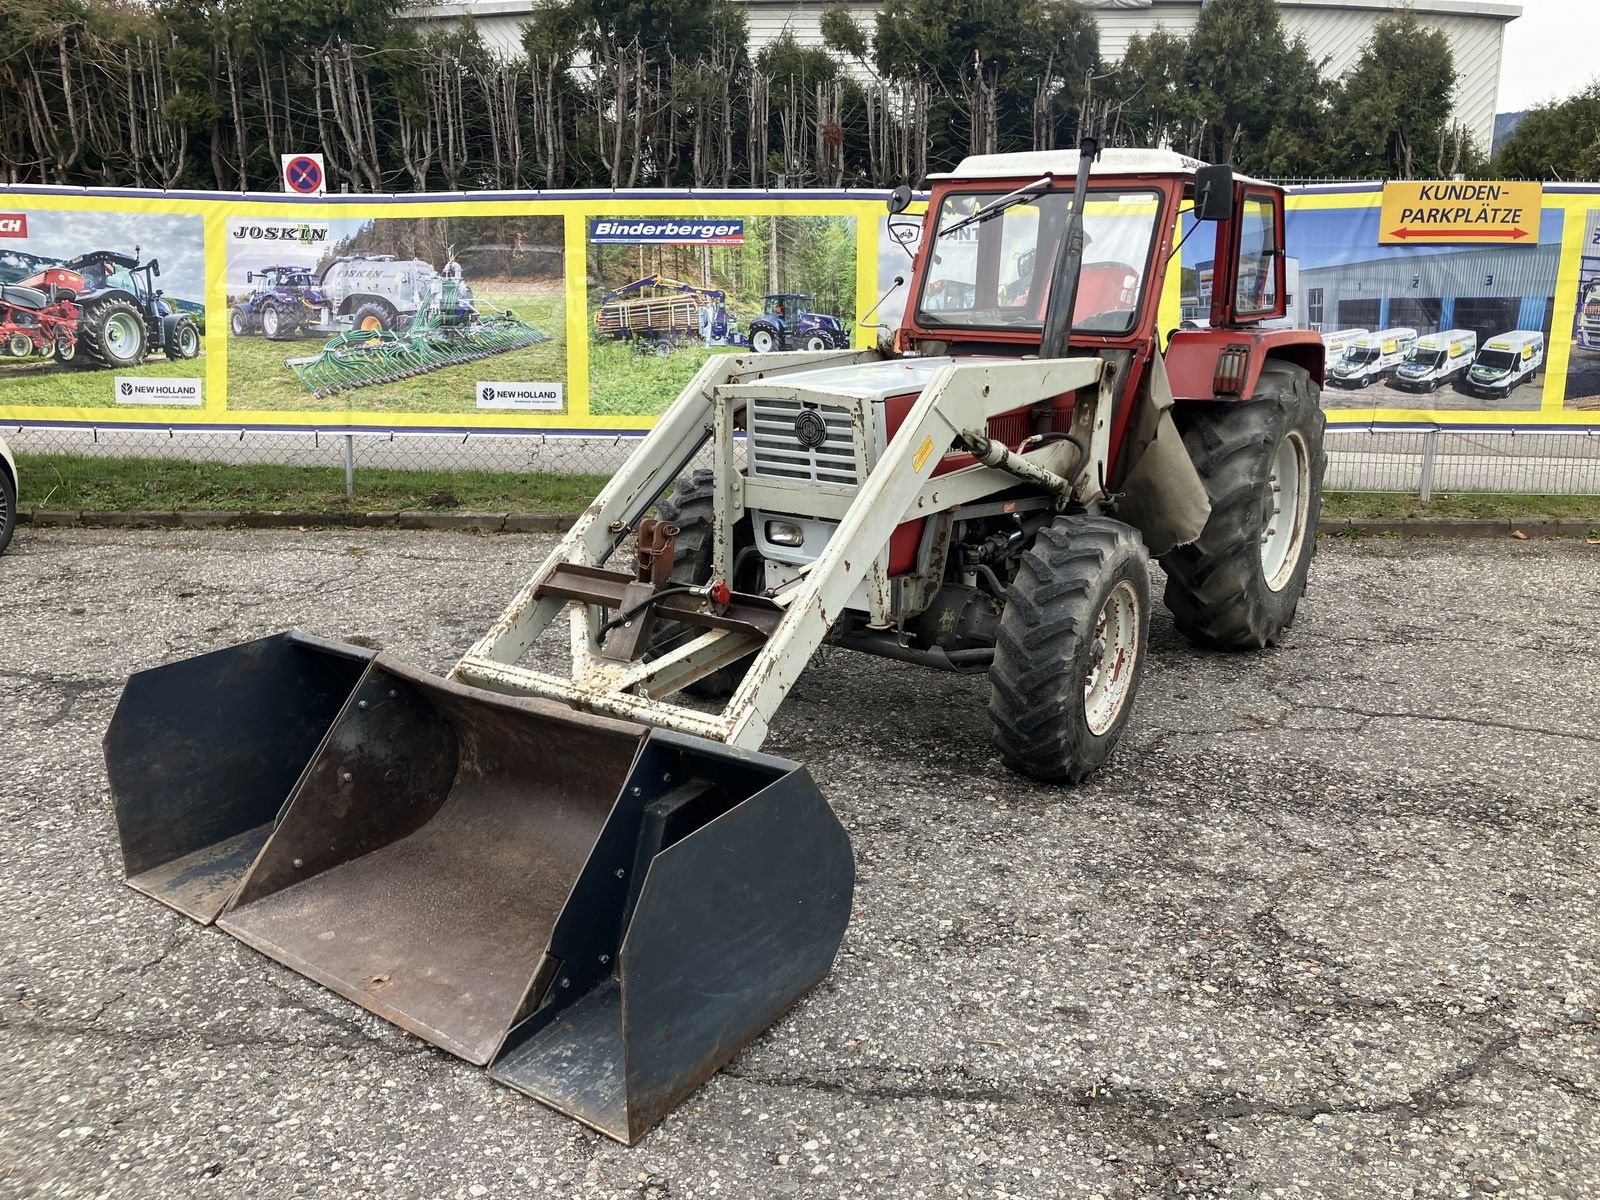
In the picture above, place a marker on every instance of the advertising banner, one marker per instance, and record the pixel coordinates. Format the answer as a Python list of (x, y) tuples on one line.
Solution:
[(588, 312)]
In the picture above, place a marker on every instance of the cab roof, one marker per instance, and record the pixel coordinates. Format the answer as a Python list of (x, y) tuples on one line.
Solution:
[(1064, 163)]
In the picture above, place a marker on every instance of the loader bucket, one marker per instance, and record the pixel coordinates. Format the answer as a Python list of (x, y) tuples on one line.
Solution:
[(201, 755), (604, 912)]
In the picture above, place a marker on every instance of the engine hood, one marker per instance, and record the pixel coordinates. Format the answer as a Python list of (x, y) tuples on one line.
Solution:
[(877, 380)]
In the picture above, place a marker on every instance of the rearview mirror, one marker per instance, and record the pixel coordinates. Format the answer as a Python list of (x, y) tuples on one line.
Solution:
[(155, 266), (1213, 193), (899, 200)]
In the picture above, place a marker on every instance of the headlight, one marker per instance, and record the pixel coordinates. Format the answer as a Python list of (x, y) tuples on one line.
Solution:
[(785, 533)]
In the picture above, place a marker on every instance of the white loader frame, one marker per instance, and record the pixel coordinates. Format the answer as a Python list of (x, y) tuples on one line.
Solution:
[(784, 628)]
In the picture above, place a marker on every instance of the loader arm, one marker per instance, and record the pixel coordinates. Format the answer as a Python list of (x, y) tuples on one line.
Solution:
[(953, 409)]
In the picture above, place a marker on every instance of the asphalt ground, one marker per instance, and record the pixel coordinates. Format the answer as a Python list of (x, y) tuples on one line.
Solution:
[(1326, 927)]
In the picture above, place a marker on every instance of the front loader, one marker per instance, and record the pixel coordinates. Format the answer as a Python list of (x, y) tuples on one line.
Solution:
[(585, 876)]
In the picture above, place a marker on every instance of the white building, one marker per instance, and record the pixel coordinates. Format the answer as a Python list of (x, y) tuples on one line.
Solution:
[(1334, 29)]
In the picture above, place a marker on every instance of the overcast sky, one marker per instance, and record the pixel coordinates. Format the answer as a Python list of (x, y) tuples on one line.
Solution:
[(1551, 51), (178, 241)]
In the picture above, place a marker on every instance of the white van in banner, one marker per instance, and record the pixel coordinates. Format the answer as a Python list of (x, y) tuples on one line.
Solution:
[(1338, 345), (1436, 360), (1589, 315), (1372, 357), (1505, 361)]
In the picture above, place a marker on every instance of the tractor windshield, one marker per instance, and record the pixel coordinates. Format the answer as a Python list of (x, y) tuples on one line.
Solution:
[(995, 274)]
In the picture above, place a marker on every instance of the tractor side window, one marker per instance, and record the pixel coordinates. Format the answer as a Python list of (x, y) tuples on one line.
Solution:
[(1257, 285)]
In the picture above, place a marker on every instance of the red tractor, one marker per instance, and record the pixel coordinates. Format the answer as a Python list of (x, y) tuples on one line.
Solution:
[(39, 316), (549, 864)]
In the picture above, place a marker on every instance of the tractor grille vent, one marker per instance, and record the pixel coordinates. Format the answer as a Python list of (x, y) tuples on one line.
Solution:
[(777, 448)]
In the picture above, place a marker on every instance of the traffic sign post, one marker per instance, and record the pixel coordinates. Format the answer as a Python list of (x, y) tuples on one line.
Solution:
[(304, 174), (1458, 211)]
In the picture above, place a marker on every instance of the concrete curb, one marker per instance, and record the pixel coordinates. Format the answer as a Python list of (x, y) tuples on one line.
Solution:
[(473, 522), (499, 522)]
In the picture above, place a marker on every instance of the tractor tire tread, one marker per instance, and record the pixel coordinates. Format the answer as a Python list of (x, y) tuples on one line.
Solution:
[(91, 331), (1036, 697), (1216, 590)]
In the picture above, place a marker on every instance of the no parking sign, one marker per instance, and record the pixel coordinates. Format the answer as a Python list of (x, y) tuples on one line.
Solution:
[(304, 174)]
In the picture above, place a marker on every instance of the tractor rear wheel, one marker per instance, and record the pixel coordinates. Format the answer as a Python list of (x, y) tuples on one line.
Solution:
[(1071, 648), (112, 333), (763, 341), (372, 316), (1237, 586), (183, 340), (690, 509), (816, 342)]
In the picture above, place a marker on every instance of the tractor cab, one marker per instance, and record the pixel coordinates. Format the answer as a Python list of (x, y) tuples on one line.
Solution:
[(1000, 244), (288, 279), (105, 270), (785, 305)]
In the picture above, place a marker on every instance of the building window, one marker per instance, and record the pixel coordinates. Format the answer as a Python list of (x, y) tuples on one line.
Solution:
[(1314, 307)]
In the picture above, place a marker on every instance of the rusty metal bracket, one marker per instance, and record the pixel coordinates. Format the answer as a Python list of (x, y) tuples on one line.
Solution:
[(657, 543)]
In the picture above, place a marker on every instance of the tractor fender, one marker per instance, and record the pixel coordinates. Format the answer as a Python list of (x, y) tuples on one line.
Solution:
[(1192, 354), (110, 294)]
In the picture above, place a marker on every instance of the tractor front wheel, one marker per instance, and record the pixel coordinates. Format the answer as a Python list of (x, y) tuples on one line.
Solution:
[(274, 323), (690, 509), (1236, 587), (112, 334), (183, 340), (1071, 648), (240, 322)]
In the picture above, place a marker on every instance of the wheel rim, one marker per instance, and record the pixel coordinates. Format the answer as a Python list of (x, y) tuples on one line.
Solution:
[(122, 334), (1112, 659), (238, 323), (762, 342), (269, 323), (370, 323), (189, 341), (1289, 496), (66, 350), (19, 345)]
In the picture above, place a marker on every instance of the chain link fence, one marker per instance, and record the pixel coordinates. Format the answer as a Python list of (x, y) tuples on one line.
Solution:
[(1423, 462)]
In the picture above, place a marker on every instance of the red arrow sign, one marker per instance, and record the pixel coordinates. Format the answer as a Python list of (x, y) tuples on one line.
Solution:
[(1454, 234)]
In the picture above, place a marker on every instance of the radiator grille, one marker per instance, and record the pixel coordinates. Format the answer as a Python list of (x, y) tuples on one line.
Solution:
[(777, 451)]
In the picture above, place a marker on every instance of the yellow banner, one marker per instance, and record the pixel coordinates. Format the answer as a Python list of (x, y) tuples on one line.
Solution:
[(585, 313)]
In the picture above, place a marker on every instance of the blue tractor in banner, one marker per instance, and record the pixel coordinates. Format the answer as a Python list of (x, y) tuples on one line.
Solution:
[(286, 301), (123, 316), (787, 323), (657, 314)]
